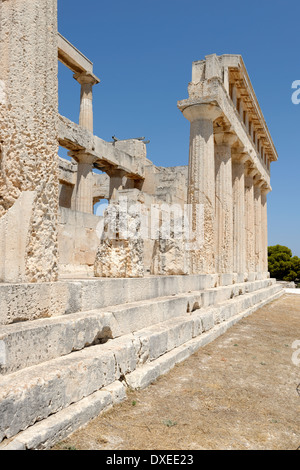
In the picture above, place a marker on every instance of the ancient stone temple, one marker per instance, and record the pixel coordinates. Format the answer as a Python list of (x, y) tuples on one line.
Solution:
[(92, 303)]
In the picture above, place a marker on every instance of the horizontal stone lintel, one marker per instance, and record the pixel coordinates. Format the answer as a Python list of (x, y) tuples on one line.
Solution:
[(76, 139), (72, 58)]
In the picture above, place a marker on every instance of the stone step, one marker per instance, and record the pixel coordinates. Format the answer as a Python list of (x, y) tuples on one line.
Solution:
[(44, 434), (33, 394), (27, 302), (33, 342), (150, 371)]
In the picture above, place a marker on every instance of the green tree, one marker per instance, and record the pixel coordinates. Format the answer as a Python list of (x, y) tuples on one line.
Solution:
[(282, 264)]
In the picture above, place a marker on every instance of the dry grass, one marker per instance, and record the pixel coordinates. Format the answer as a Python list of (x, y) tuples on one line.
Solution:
[(239, 392)]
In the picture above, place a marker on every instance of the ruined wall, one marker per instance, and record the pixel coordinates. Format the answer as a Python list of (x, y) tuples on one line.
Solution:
[(29, 126), (121, 249), (169, 184), (78, 241)]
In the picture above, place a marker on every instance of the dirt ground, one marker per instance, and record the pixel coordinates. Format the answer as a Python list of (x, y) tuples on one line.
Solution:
[(239, 392)]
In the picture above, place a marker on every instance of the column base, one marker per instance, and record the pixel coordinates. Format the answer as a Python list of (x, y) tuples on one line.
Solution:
[(227, 279), (262, 275), (239, 278), (250, 277)]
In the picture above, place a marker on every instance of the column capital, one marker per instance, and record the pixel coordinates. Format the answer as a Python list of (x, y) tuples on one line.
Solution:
[(225, 138), (251, 170), (86, 78), (240, 156), (82, 156), (203, 111), (266, 189), (258, 181), (116, 171)]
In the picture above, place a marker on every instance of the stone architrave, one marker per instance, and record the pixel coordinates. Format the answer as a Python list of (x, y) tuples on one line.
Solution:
[(224, 202), (29, 128), (201, 183)]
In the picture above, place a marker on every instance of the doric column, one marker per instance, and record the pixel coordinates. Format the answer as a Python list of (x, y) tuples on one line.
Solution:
[(258, 224), (264, 222), (238, 184), (224, 202), (83, 196), (115, 180), (87, 81), (249, 220), (201, 182)]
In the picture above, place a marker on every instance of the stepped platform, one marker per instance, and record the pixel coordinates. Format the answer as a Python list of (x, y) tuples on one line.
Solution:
[(72, 349)]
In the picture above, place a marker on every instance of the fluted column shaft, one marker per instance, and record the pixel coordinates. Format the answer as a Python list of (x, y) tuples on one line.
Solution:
[(86, 118), (249, 223), (84, 184), (224, 203), (115, 181), (83, 197), (264, 223), (201, 182), (238, 184), (258, 228)]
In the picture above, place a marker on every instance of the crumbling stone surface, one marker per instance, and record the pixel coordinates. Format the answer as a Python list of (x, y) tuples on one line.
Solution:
[(28, 131), (170, 258), (170, 254), (121, 249), (119, 258)]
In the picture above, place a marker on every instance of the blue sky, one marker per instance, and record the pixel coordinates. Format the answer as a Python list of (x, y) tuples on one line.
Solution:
[(143, 53)]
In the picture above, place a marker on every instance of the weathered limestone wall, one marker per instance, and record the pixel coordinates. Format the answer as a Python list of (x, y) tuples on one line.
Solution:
[(168, 184), (121, 248), (29, 130), (170, 257), (13, 237), (78, 242)]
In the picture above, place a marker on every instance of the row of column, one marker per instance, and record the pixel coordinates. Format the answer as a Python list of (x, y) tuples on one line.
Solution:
[(233, 195)]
